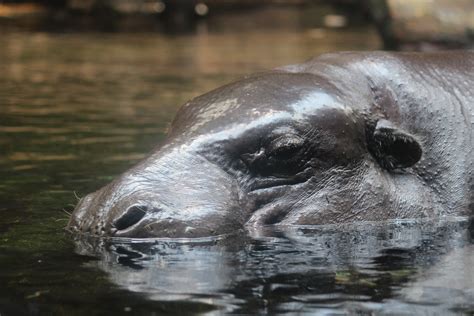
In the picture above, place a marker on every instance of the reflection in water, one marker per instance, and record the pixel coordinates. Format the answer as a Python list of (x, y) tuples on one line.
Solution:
[(449, 282), (401, 266)]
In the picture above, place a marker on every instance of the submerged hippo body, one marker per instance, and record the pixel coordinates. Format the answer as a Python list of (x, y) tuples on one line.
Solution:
[(343, 137)]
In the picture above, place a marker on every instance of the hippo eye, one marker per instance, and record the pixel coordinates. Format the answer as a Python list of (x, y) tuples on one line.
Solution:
[(284, 147), (281, 156)]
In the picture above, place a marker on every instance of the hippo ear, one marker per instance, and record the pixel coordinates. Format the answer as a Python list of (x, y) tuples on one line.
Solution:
[(392, 147)]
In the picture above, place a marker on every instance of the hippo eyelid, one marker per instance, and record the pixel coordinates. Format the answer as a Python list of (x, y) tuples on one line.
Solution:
[(285, 147)]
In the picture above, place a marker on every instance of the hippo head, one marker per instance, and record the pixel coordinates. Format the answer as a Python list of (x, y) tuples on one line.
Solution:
[(277, 148)]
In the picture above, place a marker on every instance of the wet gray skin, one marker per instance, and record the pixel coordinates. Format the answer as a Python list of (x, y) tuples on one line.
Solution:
[(341, 138)]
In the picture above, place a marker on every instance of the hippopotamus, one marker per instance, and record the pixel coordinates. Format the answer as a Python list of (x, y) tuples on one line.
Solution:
[(344, 137)]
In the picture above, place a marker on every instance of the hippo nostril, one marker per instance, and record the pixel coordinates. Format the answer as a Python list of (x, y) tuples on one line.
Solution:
[(132, 216)]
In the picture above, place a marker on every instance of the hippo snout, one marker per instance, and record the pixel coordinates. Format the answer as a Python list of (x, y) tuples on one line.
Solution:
[(176, 195), (110, 222), (81, 220)]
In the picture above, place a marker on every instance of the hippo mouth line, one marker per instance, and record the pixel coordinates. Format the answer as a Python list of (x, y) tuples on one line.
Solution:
[(273, 183), (278, 183)]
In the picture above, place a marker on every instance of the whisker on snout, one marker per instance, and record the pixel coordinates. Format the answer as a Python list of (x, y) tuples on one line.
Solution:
[(77, 196)]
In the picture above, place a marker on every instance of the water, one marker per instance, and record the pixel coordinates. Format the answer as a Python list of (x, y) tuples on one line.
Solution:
[(77, 109)]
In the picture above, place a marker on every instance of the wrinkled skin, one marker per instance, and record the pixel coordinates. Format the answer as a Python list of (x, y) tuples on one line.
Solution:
[(343, 137)]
